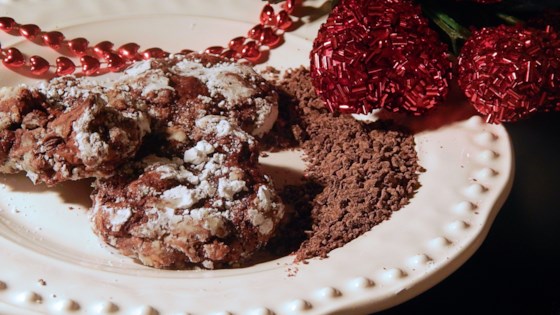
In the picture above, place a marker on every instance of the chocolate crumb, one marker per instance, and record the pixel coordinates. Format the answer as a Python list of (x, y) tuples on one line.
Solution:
[(42, 282), (357, 173)]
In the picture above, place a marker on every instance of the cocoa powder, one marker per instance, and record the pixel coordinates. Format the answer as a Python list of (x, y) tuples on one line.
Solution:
[(357, 173)]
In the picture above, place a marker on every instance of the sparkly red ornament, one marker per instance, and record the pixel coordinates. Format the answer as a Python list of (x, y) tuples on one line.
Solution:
[(549, 22), (549, 19), (552, 74), (486, 1), (379, 54), (504, 71)]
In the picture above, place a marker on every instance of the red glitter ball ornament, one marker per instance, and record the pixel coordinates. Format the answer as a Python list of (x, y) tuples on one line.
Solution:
[(379, 54), (549, 22), (504, 71), (486, 1)]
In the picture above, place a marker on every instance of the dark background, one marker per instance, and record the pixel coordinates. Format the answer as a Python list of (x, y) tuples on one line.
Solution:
[(517, 268)]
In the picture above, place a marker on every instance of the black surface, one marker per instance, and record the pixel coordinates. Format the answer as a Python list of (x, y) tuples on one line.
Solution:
[(517, 268)]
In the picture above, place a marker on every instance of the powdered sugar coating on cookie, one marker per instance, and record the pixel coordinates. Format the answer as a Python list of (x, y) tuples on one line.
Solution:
[(211, 208), (208, 85), (65, 130)]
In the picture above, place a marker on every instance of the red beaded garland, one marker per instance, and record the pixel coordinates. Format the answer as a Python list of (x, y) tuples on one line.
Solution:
[(6, 23), (64, 66), (267, 33), (115, 63), (29, 31), (283, 20), (236, 44), (251, 51), (154, 52), (13, 58), (214, 50), (38, 65), (289, 6), (129, 51), (103, 48), (53, 39), (78, 46), (269, 37), (267, 15), (232, 54), (90, 65)]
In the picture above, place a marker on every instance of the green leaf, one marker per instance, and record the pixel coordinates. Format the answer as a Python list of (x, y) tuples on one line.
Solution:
[(455, 31)]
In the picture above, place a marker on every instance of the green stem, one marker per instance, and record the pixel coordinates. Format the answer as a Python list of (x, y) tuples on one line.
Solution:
[(509, 19), (446, 23)]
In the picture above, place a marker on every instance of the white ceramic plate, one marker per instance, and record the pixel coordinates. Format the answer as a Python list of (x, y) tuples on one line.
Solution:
[(50, 261)]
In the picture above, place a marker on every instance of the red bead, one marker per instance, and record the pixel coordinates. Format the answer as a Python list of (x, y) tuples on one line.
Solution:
[(90, 65), (269, 38), (236, 44), (53, 39), (255, 32), (283, 20), (13, 58), (103, 48), (289, 6), (64, 66), (129, 51), (115, 63), (7, 23), (267, 15), (38, 65), (230, 54), (78, 45), (214, 50), (154, 53), (186, 51), (29, 31), (251, 51)]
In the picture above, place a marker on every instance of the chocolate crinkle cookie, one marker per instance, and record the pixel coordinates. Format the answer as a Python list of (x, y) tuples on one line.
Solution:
[(171, 145), (176, 91), (73, 128), (55, 141), (211, 207)]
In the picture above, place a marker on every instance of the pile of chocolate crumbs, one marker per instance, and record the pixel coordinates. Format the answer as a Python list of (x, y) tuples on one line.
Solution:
[(357, 173)]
